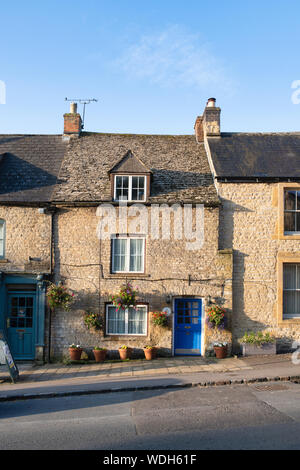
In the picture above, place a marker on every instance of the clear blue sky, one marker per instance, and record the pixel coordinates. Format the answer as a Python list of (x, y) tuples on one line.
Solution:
[(152, 65)]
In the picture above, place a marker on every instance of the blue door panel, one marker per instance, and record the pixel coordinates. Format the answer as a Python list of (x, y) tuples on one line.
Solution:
[(21, 308), (187, 336)]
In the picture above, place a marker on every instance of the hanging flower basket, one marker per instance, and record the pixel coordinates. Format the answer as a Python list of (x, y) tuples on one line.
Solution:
[(126, 297), (59, 297), (160, 318), (93, 320), (216, 317)]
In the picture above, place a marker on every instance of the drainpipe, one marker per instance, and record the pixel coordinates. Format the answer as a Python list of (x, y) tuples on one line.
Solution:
[(51, 272)]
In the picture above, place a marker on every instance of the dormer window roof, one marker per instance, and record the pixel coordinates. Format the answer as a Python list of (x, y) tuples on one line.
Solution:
[(130, 179)]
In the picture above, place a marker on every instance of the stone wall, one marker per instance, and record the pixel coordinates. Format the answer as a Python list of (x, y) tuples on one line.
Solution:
[(28, 235), (249, 225), (82, 262)]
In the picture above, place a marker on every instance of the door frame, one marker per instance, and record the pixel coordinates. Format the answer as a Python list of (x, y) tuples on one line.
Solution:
[(20, 293), (192, 297)]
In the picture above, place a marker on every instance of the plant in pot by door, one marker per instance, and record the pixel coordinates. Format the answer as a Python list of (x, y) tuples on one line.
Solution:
[(99, 354), (259, 343), (220, 349), (75, 351), (125, 352), (150, 352)]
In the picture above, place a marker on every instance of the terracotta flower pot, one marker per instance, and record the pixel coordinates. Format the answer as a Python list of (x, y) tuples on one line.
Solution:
[(221, 351), (125, 353), (99, 354), (75, 354), (150, 353)]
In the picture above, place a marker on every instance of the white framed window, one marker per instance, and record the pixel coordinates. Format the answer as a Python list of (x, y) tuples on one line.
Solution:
[(130, 188), (291, 290), (291, 211), (128, 254), (2, 238), (129, 321)]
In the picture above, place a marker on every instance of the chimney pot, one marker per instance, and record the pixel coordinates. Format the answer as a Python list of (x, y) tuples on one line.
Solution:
[(211, 102), (73, 108)]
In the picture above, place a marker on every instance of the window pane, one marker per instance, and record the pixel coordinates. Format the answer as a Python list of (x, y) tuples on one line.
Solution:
[(298, 201), (138, 183), (137, 321), (289, 305), (115, 321), (122, 187), (119, 254), (289, 222), (289, 276), (290, 200), (297, 221), (136, 254)]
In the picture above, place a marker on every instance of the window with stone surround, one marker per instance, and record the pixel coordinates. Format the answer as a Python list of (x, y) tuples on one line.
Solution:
[(291, 290), (127, 254), (291, 211), (2, 238), (129, 321)]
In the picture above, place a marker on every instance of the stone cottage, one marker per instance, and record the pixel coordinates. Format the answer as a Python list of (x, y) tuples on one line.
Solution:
[(257, 177), (95, 211)]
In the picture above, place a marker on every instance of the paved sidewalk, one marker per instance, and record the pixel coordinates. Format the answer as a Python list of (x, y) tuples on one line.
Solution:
[(58, 379)]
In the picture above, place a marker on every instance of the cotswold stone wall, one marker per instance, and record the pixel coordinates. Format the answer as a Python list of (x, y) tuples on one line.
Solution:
[(28, 235), (83, 262), (249, 225)]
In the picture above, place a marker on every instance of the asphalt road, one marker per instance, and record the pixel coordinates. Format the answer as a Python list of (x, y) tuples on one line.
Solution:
[(258, 416)]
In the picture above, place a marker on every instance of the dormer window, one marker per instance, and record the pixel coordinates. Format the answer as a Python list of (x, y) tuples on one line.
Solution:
[(130, 179), (130, 188)]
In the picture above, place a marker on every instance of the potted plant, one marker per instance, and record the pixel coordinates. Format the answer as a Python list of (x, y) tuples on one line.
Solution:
[(160, 318), (125, 352), (92, 320), (258, 343), (75, 351), (99, 354), (220, 349), (216, 317), (126, 297), (150, 352)]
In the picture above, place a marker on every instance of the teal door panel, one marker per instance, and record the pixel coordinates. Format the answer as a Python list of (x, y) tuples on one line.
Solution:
[(187, 335), (20, 321)]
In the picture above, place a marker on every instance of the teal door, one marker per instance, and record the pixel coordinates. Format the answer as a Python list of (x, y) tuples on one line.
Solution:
[(20, 322), (187, 336)]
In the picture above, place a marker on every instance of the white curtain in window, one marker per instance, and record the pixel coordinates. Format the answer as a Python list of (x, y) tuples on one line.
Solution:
[(136, 254), (119, 254), (291, 289), (137, 321), (115, 321)]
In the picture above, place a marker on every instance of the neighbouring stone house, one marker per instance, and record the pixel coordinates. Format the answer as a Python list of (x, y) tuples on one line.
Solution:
[(59, 192), (257, 176)]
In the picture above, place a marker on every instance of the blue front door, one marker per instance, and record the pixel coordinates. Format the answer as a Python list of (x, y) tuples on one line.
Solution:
[(21, 325), (187, 336)]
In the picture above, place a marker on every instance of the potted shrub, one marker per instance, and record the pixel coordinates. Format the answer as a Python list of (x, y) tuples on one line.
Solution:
[(220, 350), (150, 352), (254, 344), (99, 354), (75, 352), (125, 352)]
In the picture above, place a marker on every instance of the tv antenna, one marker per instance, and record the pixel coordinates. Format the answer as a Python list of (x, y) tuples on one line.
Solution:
[(84, 102)]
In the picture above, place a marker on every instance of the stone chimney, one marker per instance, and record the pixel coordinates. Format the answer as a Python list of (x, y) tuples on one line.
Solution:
[(208, 125), (72, 121)]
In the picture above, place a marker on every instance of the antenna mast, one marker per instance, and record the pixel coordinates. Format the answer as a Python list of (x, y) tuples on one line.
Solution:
[(84, 102)]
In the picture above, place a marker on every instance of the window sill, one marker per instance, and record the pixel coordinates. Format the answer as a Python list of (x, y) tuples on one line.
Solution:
[(127, 275), (3, 260), (284, 236)]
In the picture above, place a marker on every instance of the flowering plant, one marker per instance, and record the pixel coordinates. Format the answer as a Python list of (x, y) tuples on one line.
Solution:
[(220, 344), (160, 318), (59, 297), (126, 297), (75, 346), (149, 347), (97, 348), (124, 347), (93, 320), (216, 317)]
